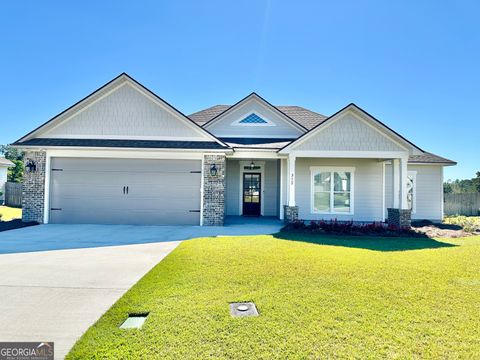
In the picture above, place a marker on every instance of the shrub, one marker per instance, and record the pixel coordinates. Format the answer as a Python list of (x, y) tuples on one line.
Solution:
[(468, 223), (349, 228)]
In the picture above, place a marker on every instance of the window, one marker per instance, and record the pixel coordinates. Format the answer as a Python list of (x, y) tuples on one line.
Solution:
[(332, 190), (412, 191), (253, 119)]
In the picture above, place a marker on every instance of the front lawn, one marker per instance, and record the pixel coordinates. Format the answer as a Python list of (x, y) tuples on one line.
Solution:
[(9, 213), (318, 297)]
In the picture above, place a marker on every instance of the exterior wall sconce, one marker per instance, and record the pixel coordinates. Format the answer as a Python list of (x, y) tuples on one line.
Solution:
[(213, 170), (252, 165), (31, 167)]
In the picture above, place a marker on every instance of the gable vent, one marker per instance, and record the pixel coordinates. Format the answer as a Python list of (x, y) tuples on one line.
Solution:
[(253, 119)]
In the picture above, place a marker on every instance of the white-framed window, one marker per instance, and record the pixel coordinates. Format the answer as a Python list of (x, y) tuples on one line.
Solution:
[(252, 119), (412, 191), (332, 190)]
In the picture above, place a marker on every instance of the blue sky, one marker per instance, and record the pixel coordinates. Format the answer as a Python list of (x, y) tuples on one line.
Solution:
[(412, 64)]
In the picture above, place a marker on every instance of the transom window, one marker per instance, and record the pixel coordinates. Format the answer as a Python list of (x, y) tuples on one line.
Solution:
[(253, 119), (332, 190)]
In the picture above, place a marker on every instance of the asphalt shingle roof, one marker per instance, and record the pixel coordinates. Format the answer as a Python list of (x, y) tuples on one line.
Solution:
[(148, 144), (307, 118), (429, 158)]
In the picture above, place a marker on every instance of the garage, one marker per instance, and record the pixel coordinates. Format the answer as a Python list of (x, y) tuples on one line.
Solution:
[(125, 191)]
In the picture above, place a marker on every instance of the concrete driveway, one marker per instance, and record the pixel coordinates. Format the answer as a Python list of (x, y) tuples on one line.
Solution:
[(57, 280)]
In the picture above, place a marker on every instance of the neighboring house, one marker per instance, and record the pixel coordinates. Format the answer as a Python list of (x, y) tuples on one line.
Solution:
[(123, 155), (4, 165)]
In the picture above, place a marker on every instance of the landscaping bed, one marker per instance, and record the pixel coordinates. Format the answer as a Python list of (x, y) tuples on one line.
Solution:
[(15, 224)]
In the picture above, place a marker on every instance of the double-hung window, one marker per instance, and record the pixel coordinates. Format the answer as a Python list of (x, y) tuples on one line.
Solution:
[(332, 190)]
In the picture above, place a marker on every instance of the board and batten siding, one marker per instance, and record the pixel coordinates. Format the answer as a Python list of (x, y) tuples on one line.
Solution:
[(124, 113), (281, 128), (429, 191), (367, 188), (270, 192), (349, 133)]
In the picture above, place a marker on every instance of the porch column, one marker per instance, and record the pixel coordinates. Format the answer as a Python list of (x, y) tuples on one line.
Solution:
[(290, 210), (403, 183), (399, 214), (291, 180), (396, 183)]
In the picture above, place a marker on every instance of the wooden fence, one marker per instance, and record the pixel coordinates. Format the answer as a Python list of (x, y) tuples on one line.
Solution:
[(462, 204), (13, 194)]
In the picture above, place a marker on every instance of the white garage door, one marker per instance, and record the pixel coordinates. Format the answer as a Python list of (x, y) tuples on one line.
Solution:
[(125, 191)]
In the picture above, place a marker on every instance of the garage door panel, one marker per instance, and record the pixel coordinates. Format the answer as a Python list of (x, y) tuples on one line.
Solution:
[(91, 191)]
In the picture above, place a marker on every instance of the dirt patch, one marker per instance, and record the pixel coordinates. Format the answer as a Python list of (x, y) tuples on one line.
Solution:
[(440, 230), (15, 224)]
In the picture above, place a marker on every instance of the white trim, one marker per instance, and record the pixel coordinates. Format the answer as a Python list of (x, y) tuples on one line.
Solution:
[(123, 154), (249, 154), (202, 184), (282, 181), (239, 120), (46, 195), (349, 154), (403, 183), (291, 180), (396, 183), (442, 196), (332, 169), (361, 115), (413, 174), (383, 192), (262, 183)]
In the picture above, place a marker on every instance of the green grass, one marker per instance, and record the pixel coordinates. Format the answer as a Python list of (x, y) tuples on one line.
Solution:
[(9, 213), (317, 297)]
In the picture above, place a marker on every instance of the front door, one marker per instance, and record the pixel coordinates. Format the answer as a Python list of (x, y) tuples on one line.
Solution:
[(251, 194)]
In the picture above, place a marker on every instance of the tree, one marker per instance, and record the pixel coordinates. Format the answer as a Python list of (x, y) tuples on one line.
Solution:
[(477, 181), (15, 173), (462, 186)]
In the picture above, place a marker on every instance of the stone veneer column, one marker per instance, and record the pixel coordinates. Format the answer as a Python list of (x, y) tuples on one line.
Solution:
[(214, 191), (33, 189), (399, 217), (290, 213)]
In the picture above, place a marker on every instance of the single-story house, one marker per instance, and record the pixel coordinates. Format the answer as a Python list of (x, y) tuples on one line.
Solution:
[(4, 165), (123, 155)]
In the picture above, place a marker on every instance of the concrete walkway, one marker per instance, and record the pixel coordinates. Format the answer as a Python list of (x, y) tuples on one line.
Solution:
[(57, 295), (57, 280), (58, 237)]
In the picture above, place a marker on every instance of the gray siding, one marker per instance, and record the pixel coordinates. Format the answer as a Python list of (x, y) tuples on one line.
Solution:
[(429, 191), (233, 187), (367, 188), (270, 192), (282, 128), (349, 133), (125, 112)]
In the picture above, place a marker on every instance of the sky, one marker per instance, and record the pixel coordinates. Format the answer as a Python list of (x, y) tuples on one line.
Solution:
[(415, 65)]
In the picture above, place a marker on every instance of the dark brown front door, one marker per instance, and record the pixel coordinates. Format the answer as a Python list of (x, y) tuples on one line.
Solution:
[(251, 194)]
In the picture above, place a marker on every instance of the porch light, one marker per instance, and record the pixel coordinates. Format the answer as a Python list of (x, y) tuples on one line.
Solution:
[(213, 170), (252, 165), (30, 167)]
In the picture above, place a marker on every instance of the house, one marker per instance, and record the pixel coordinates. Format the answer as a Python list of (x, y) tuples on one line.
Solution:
[(123, 155), (4, 165)]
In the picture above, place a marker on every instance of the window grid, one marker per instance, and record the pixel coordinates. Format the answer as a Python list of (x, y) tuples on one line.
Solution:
[(253, 119)]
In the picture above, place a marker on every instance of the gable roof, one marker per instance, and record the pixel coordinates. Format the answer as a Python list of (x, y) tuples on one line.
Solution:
[(257, 97), (429, 158), (307, 118), (105, 89), (344, 109)]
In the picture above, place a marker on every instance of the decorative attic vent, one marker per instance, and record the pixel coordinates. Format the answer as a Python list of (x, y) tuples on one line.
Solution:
[(253, 119)]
